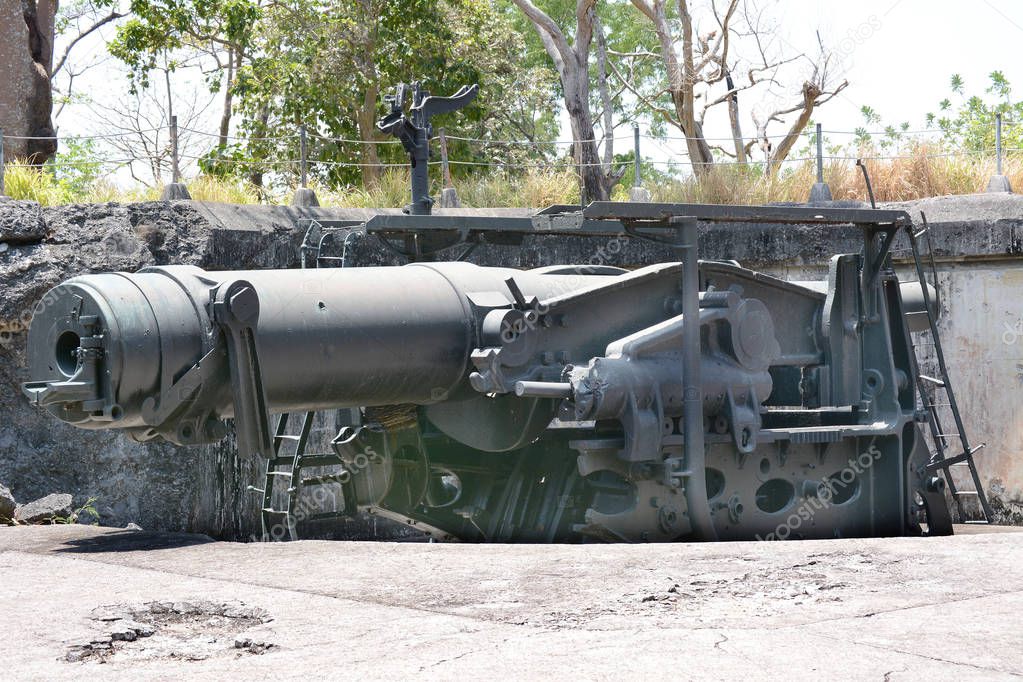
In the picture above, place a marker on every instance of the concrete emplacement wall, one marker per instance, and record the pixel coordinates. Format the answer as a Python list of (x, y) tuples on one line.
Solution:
[(978, 241)]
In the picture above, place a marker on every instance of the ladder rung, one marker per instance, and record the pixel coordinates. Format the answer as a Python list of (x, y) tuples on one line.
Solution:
[(921, 233), (318, 461), (286, 436), (966, 492), (278, 473), (278, 512), (325, 515), (932, 380), (287, 460), (945, 463), (949, 435), (326, 478)]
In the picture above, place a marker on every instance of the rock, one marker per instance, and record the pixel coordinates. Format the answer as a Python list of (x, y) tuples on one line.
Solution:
[(7, 505), (76, 241), (133, 526), (45, 510), (21, 222)]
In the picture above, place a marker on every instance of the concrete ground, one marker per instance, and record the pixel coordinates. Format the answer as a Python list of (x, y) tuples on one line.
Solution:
[(885, 609)]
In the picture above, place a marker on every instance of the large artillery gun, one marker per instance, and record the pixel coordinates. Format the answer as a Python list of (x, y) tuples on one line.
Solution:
[(682, 400)]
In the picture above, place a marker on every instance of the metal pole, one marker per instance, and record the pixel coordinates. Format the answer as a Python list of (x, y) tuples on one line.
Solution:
[(445, 169), (1, 162), (820, 156), (635, 137), (175, 171), (579, 170), (302, 138), (686, 237), (998, 143)]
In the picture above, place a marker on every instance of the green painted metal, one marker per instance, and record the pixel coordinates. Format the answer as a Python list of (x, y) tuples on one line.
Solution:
[(691, 400)]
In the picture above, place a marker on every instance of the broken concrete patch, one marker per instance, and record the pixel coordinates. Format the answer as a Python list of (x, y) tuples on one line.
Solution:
[(183, 630)]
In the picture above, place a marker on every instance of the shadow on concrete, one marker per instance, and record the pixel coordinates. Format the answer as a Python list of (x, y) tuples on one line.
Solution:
[(131, 541)]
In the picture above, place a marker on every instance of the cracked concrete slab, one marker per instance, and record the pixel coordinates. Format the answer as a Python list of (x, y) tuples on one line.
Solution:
[(882, 608)]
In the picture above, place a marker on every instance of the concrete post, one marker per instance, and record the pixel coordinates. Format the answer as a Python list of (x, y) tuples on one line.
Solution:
[(303, 195), (998, 182), (448, 195), (637, 193), (578, 155), (176, 190), (820, 192)]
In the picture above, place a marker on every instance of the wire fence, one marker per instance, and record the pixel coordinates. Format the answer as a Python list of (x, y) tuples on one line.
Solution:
[(895, 143)]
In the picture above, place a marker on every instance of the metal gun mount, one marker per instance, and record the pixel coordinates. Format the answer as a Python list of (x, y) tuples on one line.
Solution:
[(691, 400), (414, 131)]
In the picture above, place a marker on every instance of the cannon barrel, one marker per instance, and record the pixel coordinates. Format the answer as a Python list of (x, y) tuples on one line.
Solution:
[(102, 347)]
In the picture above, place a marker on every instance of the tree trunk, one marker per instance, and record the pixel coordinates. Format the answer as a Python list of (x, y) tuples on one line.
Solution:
[(733, 119), (233, 62), (577, 106), (811, 92), (256, 171), (367, 133), (35, 99), (605, 97)]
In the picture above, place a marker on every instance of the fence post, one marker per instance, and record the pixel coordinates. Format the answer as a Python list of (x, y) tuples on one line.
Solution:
[(448, 195), (635, 140), (2, 166), (998, 182), (303, 195), (176, 190), (820, 192), (579, 171), (175, 169), (637, 193), (303, 152)]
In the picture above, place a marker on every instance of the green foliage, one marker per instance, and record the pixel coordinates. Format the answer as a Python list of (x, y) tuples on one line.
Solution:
[(88, 508), (159, 27), (968, 122)]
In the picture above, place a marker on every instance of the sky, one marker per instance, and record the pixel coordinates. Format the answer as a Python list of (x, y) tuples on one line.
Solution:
[(898, 56)]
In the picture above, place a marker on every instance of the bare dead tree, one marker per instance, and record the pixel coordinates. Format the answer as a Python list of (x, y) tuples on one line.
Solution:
[(136, 130), (815, 92), (571, 60), (702, 72)]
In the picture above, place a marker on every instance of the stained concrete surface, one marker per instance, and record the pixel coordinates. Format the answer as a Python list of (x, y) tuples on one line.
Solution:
[(921, 608)]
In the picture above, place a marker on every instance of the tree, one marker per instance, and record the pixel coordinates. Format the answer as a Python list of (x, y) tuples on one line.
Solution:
[(968, 122), (300, 51), (219, 33), (75, 22), (572, 62), (701, 70)]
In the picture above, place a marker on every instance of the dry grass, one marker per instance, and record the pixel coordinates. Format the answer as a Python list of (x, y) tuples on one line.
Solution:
[(923, 172), (916, 175)]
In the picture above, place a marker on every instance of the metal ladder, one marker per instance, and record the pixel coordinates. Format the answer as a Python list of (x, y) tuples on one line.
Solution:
[(275, 522), (278, 522), (928, 389)]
